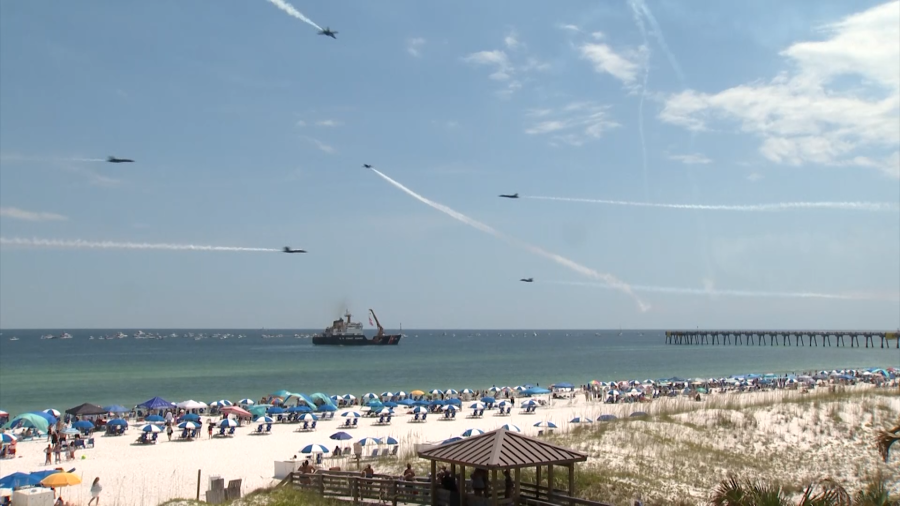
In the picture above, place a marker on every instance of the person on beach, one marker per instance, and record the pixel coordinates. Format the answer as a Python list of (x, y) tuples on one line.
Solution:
[(477, 482), (49, 452), (169, 431), (210, 424), (96, 488)]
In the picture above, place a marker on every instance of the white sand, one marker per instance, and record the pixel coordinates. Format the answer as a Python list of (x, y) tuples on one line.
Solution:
[(150, 474)]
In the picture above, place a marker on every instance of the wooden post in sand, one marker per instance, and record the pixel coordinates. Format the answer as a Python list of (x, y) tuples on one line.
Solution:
[(198, 484)]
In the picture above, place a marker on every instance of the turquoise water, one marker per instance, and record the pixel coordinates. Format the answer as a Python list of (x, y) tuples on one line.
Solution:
[(39, 374)]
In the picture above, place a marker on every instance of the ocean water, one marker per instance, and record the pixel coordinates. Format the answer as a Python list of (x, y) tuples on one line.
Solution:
[(38, 374)]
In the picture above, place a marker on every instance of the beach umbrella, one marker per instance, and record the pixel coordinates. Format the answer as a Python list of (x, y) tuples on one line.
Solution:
[(390, 441), (529, 403), (83, 424), (401, 393), (512, 428), (352, 414), (57, 480), (386, 411), (455, 402), (390, 404), (606, 418), (275, 410), (53, 412), (228, 422), (547, 424), (117, 422), (581, 419), (387, 394), (366, 441), (308, 417), (154, 419), (219, 404), (327, 407), (467, 391), (17, 480), (436, 402), (407, 402), (246, 402), (4, 414), (370, 395), (7, 438), (263, 419), (190, 417), (451, 440), (472, 432), (236, 411), (638, 414), (420, 409), (349, 397), (503, 404), (153, 429), (449, 407), (488, 400), (340, 436), (436, 392), (477, 405), (450, 392), (315, 448), (188, 425), (417, 393), (115, 408)]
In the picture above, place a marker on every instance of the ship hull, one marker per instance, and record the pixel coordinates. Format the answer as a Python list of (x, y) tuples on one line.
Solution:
[(385, 340)]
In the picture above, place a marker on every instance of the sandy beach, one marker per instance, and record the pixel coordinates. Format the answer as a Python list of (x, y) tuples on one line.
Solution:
[(681, 450)]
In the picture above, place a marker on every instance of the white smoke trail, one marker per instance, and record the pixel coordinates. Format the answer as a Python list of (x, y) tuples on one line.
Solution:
[(645, 53), (657, 32), (78, 243), (46, 159), (286, 7), (742, 293), (608, 279), (782, 206)]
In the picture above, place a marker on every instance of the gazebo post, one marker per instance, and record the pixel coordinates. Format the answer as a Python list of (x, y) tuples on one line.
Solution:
[(494, 487), (550, 482), (433, 483), (517, 490), (462, 485), (537, 482), (571, 479)]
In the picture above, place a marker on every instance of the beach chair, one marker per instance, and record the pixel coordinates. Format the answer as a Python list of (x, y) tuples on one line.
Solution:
[(90, 442), (355, 422), (305, 426), (446, 415), (259, 429), (415, 418), (423, 416), (387, 421), (312, 426), (79, 444), (380, 420), (374, 454), (346, 451), (231, 431), (318, 459), (346, 423), (268, 428), (221, 431)]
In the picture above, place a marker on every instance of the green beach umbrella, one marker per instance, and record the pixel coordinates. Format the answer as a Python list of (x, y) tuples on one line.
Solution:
[(37, 421)]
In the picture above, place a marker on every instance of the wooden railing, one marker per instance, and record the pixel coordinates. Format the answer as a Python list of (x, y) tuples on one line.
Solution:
[(350, 486)]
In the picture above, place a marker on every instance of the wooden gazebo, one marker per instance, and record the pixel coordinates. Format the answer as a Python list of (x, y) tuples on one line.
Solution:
[(501, 450)]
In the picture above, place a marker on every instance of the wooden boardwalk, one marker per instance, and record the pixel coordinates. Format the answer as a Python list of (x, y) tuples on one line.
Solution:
[(837, 338)]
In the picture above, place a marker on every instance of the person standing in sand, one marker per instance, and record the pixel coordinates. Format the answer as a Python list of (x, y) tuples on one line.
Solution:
[(96, 488)]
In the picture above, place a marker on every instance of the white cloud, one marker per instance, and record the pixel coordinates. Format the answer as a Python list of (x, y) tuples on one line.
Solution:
[(754, 177), (803, 115), (605, 60), (504, 69), (21, 214), (570, 27), (691, 159), (301, 123), (328, 123), (573, 124), (598, 35), (414, 45), (321, 145)]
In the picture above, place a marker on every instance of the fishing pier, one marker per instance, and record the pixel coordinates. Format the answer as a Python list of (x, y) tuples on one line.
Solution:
[(839, 338)]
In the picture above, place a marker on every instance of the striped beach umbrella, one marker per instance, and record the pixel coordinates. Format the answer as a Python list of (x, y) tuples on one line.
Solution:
[(153, 429), (390, 441), (264, 419), (7, 438), (308, 417), (52, 412), (581, 419), (246, 402), (420, 409), (314, 448), (450, 391), (351, 414), (366, 441), (228, 422), (546, 424), (512, 428), (435, 392), (188, 425), (472, 432)]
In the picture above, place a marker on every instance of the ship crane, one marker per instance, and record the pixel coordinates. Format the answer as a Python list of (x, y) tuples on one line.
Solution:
[(377, 323)]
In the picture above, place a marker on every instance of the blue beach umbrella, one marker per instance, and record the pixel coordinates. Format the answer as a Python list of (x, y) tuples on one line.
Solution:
[(512, 428), (188, 425), (117, 422), (352, 414), (581, 419), (246, 402), (228, 422), (419, 409), (606, 418), (366, 441), (638, 414), (449, 407), (154, 419), (488, 400), (308, 417), (115, 408), (340, 436), (407, 402), (472, 432), (455, 402), (153, 429), (327, 407), (190, 417), (547, 424), (315, 448), (390, 441), (16, 480), (451, 440), (263, 419), (477, 405), (275, 410), (83, 424), (7, 438)]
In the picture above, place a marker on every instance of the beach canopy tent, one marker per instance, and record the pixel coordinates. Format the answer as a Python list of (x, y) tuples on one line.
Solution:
[(535, 391), (30, 420), (191, 404), (157, 403), (503, 450), (86, 409), (236, 411), (115, 408)]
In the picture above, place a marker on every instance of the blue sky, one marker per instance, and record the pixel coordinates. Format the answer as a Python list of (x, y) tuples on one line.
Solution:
[(249, 129)]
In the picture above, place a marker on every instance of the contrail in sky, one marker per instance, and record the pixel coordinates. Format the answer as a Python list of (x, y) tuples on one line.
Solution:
[(743, 293), (640, 7), (286, 7), (78, 244), (646, 64), (607, 279), (782, 206), (46, 159)]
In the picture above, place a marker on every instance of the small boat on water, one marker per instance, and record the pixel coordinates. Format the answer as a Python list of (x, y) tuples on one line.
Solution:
[(350, 333)]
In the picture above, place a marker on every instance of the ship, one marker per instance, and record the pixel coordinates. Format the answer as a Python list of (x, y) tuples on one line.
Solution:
[(349, 333)]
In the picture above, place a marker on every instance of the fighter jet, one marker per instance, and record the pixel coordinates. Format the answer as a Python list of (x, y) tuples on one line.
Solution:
[(327, 31), (287, 249), (366, 165), (513, 196), (527, 280), (112, 159)]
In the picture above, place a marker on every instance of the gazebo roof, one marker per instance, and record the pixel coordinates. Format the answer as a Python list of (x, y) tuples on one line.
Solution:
[(502, 449)]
